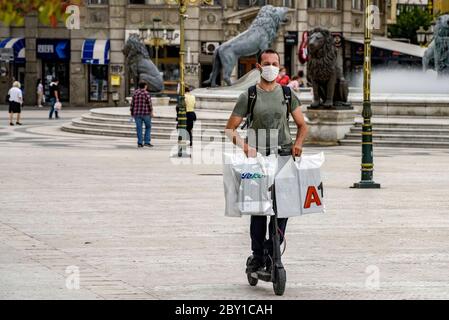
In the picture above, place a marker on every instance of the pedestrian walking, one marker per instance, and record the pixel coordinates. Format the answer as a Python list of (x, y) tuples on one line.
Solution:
[(191, 115), (267, 105), (15, 99), (55, 96), (40, 93), (283, 79), (142, 112)]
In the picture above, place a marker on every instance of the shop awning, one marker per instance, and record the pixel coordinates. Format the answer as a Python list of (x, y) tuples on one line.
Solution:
[(95, 51), (391, 45), (18, 45)]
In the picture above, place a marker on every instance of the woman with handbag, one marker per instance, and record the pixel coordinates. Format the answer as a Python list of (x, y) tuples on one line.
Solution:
[(15, 99)]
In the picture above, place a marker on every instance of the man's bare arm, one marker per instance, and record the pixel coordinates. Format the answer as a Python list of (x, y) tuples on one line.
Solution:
[(231, 132), (301, 134)]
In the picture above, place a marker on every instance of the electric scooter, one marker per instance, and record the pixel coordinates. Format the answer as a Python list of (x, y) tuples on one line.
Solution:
[(278, 274)]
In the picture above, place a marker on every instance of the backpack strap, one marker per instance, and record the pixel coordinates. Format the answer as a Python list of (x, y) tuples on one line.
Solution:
[(252, 97), (287, 91)]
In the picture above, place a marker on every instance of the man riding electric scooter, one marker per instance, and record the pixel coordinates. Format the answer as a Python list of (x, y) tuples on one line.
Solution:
[(267, 107)]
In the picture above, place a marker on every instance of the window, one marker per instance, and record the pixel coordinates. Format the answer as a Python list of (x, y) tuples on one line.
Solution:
[(357, 4), (250, 3), (214, 3), (98, 1), (98, 82), (324, 4), (288, 3), (360, 4)]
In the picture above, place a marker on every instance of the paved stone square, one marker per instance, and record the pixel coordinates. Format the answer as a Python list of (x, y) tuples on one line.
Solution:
[(136, 226)]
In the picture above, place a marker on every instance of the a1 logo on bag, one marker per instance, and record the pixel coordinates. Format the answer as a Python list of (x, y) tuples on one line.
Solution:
[(314, 196), (312, 192)]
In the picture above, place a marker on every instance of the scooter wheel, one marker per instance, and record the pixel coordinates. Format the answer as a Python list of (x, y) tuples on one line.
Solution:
[(251, 280), (279, 281)]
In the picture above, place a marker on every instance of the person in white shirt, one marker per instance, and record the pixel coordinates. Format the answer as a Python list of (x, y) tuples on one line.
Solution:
[(15, 103), (40, 93)]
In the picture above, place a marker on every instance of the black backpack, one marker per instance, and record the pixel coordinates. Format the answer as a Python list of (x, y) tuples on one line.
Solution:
[(252, 97)]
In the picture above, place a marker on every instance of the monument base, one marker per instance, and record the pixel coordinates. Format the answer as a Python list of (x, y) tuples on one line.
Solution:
[(156, 101), (327, 126)]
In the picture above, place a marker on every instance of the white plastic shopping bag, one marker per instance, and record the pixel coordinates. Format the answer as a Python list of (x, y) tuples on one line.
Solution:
[(247, 183), (299, 188)]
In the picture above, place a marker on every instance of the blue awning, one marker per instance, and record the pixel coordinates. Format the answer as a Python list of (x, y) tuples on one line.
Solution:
[(95, 51), (18, 44)]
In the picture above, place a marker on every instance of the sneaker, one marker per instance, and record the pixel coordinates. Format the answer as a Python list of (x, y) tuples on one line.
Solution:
[(19, 123), (254, 264), (148, 145), (11, 124), (140, 145)]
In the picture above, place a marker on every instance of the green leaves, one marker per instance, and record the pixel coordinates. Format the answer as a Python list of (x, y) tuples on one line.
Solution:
[(408, 22), (13, 12)]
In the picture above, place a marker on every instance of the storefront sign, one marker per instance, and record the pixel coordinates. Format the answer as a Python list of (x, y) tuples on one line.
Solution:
[(115, 80), (53, 49), (291, 37)]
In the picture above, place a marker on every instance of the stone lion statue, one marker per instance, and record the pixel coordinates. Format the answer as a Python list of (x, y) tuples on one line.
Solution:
[(330, 89), (436, 56), (257, 38), (141, 68)]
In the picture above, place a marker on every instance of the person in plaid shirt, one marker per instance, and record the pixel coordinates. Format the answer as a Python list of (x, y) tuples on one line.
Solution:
[(142, 111)]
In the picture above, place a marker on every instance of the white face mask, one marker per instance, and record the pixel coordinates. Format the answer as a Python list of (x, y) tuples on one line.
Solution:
[(269, 73)]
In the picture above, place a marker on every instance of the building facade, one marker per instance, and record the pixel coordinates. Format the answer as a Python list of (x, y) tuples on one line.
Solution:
[(91, 67)]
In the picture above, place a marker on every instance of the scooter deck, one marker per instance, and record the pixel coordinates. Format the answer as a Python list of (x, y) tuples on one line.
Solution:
[(262, 275)]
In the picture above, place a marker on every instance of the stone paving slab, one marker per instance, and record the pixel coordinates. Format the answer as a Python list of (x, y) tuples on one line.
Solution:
[(139, 227)]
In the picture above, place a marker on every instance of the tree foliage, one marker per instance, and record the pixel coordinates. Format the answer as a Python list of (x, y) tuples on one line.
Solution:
[(49, 12), (408, 22)]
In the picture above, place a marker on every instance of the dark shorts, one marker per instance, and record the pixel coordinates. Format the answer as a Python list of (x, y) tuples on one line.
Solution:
[(14, 107)]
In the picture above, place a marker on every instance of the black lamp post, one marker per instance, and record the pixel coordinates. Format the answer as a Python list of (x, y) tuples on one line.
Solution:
[(367, 133)]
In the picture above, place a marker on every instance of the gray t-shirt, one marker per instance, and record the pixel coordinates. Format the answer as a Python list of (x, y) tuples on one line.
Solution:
[(269, 112)]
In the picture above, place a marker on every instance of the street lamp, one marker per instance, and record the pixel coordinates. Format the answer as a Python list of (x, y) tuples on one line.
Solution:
[(421, 35), (367, 132), (182, 114)]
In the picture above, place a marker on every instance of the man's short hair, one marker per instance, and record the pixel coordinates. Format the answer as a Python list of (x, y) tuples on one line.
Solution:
[(272, 51), (142, 85)]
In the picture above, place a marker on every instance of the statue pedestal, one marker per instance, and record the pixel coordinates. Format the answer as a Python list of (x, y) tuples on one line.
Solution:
[(327, 127), (156, 101)]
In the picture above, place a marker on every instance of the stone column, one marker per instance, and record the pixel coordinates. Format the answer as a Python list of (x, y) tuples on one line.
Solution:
[(117, 26), (192, 40), (4, 81), (302, 26), (32, 66), (79, 86)]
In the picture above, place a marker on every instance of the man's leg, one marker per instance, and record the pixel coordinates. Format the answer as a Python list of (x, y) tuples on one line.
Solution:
[(258, 230), (18, 117), (147, 138), (52, 108), (138, 121), (10, 116), (189, 130)]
